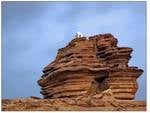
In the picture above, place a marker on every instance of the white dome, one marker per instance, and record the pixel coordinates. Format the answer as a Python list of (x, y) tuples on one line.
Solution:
[(79, 34)]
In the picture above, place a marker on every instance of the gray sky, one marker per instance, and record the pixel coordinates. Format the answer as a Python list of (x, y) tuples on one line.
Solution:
[(32, 32)]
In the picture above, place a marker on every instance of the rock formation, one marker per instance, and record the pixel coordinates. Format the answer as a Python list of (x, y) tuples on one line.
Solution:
[(88, 74), (87, 67)]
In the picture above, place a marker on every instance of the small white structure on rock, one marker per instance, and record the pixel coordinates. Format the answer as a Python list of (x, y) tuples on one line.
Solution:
[(79, 34)]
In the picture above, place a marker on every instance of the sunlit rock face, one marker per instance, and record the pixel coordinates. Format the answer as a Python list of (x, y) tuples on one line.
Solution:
[(87, 67)]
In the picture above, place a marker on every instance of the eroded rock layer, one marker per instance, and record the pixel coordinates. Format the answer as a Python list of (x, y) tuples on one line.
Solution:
[(89, 66)]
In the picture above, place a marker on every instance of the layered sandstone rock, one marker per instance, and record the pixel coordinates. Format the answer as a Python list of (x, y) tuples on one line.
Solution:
[(88, 74), (88, 66)]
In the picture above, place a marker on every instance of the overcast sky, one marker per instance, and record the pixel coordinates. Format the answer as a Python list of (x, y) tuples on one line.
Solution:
[(32, 32)]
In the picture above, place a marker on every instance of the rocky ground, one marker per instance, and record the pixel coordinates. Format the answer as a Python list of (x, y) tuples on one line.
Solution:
[(67, 104), (104, 102)]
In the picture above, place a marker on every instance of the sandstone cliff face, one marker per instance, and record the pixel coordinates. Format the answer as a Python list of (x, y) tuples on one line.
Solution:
[(88, 66), (88, 74)]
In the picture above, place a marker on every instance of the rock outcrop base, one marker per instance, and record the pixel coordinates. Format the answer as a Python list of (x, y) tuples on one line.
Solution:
[(71, 104)]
